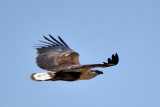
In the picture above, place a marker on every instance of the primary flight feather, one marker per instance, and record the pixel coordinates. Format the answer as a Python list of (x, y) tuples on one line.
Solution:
[(62, 62)]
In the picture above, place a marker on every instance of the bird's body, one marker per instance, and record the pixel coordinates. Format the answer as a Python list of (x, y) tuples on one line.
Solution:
[(63, 64)]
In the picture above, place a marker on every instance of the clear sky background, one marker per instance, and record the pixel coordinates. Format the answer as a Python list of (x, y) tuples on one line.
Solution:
[(94, 28)]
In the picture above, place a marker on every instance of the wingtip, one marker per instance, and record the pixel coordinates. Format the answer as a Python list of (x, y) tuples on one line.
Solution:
[(62, 41), (45, 37), (116, 54), (109, 60), (59, 37), (50, 35), (116, 59)]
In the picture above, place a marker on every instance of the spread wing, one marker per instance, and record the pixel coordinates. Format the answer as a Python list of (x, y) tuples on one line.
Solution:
[(111, 62), (56, 55)]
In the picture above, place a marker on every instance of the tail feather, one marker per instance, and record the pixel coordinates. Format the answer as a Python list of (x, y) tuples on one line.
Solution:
[(42, 76)]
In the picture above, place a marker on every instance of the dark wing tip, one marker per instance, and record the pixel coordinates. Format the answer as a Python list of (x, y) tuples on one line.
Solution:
[(52, 42), (117, 58), (56, 40), (114, 60), (109, 60), (62, 41)]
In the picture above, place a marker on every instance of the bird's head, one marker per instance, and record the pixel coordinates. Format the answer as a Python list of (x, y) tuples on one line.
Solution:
[(96, 72)]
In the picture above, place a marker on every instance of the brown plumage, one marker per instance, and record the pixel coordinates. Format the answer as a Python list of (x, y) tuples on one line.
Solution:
[(63, 63)]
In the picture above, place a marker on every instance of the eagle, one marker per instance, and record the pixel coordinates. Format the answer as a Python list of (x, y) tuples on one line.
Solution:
[(62, 62)]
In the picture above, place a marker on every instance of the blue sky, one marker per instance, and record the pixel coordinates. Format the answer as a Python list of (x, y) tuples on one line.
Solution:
[(95, 29)]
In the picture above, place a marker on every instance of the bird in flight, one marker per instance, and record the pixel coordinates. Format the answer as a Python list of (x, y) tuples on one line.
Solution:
[(62, 63)]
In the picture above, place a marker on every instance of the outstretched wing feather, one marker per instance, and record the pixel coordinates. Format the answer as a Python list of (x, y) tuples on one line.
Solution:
[(62, 41), (55, 40), (50, 40), (53, 57), (48, 43)]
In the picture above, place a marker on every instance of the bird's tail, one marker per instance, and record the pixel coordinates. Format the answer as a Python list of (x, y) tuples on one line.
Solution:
[(42, 76)]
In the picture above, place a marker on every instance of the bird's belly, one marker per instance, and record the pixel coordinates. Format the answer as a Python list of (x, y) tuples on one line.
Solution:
[(67, 76)]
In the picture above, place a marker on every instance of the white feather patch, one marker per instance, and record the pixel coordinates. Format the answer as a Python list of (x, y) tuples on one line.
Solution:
[(42, 76)]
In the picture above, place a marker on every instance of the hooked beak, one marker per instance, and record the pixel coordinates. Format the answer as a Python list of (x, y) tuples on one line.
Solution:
[(100, 72)]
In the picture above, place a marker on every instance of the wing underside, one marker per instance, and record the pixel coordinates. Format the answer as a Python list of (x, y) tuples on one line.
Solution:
[(111, 62)]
